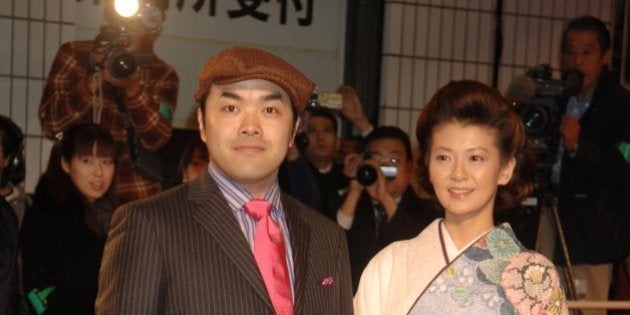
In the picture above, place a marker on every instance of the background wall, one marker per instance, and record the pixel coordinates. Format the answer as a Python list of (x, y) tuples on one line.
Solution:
[(425, 45), (307, 33), (429, 43)]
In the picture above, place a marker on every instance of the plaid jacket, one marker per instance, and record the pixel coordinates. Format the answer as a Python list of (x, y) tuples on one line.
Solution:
[(69, 96)]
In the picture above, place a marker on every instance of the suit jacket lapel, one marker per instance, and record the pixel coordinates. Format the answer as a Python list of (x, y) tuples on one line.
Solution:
[(300, 242), (214, 214)]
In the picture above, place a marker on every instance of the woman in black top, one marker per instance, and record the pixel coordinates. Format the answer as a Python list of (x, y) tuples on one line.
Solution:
[(64, 231)]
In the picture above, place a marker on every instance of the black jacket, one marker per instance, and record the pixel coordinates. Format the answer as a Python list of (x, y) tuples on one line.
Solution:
[(8, 249), (365, 238), (58, 249), (590, 198)]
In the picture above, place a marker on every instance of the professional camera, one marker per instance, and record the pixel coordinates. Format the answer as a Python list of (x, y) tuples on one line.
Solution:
[(367, 174), (118, 61), (541, 113), (113, 39)]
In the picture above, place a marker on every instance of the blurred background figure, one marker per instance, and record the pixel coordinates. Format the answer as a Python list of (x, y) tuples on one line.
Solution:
[(194, 160), (64, 231), (589, 171), (381, 205), (12, 166), (8, 252), (313, 170), (117, 81), (12, 205)]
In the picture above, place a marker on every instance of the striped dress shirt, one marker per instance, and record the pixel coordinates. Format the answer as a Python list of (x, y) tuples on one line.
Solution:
[(237, 197)]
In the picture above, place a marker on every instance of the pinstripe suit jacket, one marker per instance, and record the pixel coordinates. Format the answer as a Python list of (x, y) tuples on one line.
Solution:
[(183, 252)]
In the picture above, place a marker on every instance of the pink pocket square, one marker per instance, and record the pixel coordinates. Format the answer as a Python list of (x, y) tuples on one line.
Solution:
[(328, 281)]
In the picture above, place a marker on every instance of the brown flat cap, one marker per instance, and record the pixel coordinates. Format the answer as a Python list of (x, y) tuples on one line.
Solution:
[(239, 64)]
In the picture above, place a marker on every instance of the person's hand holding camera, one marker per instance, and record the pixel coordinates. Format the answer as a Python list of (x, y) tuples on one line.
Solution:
[(352, 110), (351, 163), (366, 173), (130, 82)]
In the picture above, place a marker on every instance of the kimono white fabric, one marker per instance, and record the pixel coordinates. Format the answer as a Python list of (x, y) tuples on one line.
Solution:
[(495, 275)]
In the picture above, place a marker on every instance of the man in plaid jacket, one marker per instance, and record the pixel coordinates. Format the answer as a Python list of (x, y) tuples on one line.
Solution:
[(83, 86)]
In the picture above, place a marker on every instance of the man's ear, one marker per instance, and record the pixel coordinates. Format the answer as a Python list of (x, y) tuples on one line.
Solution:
[(201, 123)]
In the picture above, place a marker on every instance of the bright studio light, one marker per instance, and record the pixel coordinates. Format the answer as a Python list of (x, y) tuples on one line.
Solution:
[(126, 8)]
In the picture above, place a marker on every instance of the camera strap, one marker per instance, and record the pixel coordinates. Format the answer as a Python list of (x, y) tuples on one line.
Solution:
[(143, 161), (97, 97), (131, 134)]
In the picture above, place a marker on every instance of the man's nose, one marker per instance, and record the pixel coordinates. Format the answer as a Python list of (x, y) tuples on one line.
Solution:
[(250, 125)]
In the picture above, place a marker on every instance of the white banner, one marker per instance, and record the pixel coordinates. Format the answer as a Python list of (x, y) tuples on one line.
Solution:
[(307, 33)]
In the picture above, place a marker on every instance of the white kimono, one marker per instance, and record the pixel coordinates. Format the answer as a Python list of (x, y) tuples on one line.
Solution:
[(494, 275)]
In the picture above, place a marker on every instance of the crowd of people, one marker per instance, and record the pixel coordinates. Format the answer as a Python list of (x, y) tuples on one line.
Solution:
[(270, 215)]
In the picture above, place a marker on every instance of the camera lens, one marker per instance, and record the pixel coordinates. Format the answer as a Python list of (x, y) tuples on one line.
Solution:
[(366, 175), (121, 63), (535, 119)]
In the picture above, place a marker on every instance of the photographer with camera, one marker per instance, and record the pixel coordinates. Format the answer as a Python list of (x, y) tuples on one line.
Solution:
[(590, 204), (312, 172), (117, 81), (381, 206)]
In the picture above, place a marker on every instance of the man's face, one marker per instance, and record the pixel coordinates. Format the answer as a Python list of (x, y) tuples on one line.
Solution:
[(248, 128), (583, 52), (392, 152), (322, 140)]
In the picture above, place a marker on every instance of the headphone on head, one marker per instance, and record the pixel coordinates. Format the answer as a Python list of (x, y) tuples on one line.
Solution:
[(13, 148)]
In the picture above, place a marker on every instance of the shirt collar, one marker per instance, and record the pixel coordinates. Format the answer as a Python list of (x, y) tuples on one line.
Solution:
[(237, 196)]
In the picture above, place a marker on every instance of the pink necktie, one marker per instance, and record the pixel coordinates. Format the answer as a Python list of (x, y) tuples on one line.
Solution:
[(270, 256)]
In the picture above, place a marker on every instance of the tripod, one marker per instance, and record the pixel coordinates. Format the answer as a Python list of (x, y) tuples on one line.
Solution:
[(549, 201)]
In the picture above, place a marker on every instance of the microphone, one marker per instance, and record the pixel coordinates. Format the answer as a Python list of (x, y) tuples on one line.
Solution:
[(573, 80), (522, 89)]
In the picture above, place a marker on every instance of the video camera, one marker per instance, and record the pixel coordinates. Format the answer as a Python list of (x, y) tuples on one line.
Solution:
[(542, 111), (113, 38), (541, 115)]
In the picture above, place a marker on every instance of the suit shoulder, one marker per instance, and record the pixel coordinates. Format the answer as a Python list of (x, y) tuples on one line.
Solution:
[(166, 201), (310, 215)]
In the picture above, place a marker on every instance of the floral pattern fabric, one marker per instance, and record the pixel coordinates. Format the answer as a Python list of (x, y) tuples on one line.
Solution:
[(496, 275)]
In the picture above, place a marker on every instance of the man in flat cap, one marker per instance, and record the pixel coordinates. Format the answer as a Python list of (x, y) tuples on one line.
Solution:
[(230, 242)]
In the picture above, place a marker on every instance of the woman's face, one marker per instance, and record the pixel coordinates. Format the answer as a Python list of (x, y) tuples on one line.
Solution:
[(465, 168), (91, 174)]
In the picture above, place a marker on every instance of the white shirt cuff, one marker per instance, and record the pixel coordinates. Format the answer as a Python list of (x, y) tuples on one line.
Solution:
[(344, 220)]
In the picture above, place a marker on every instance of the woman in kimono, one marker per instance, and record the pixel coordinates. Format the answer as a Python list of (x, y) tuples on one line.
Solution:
[(473, 160)]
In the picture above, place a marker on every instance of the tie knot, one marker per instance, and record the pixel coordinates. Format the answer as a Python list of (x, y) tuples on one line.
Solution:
[(258, 208)]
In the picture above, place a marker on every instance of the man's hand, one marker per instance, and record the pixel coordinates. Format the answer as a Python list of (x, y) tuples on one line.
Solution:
[(378, 191), (352, 110), (350, 165), (570, 130)]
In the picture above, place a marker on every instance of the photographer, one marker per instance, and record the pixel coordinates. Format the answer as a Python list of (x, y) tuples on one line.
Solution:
[(312, 173), (381, 209), (595, 121), (117, 81)]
